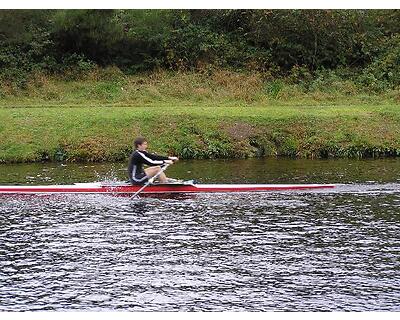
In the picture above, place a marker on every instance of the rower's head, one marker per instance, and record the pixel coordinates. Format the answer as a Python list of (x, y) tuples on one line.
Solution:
[(140, 143)]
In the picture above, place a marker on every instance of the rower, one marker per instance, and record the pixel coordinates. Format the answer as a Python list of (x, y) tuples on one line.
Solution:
[(139, 157)]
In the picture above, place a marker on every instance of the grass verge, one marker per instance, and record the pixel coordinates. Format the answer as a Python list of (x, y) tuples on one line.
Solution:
[(216, 114), (198, 131)]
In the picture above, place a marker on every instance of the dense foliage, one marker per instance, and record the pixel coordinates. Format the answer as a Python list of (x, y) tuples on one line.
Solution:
[(362, 45)]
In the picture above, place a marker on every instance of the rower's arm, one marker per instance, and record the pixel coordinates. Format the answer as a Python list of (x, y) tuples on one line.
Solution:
[(151, 159), (156, 157)]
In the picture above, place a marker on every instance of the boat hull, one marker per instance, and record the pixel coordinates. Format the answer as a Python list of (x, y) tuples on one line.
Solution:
[(158, 189)]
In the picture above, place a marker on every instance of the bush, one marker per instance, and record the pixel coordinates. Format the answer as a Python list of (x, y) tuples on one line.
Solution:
[(24, 44), (384, 72), (76, 66), (302, 46)]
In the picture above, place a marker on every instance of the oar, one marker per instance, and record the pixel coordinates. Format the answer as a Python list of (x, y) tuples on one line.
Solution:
[(150, 181)]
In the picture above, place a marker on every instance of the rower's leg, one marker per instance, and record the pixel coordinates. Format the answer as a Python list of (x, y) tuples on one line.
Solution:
[(152, 171)]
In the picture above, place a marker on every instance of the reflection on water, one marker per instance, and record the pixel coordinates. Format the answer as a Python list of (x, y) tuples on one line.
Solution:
[(216, 171), (298, 251)]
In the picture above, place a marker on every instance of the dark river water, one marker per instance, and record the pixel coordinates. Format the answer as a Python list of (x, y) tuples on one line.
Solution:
[(333, 250)]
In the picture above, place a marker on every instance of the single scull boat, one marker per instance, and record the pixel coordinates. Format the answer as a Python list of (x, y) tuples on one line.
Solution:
[(124, 188)]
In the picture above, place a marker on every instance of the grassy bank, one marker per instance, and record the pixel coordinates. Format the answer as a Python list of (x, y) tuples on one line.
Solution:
[(110, 87), (194, 115)]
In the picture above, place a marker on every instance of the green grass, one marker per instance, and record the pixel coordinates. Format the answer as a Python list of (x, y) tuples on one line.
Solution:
[(106, 134), (193, 115), (216, 88)]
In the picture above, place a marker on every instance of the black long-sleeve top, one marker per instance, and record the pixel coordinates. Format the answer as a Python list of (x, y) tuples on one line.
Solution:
[(138, 159)]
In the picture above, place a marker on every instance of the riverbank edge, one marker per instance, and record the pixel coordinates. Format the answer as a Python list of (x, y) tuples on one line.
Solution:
[(106, 134)]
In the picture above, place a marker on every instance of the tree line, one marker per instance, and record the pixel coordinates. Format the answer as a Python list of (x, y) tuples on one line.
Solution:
[(362, 44)]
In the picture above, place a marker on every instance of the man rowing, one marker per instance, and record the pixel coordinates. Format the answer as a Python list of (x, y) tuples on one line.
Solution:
[(140, 157)]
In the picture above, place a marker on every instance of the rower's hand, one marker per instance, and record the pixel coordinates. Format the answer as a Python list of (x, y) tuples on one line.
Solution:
[(168, 161), (174, 159)]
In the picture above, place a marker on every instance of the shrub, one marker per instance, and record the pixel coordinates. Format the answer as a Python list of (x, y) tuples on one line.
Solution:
[(384, 72)]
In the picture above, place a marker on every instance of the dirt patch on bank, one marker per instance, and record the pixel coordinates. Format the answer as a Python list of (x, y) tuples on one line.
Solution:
[(239, 130)]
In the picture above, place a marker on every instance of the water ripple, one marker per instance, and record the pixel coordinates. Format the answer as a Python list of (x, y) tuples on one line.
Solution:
[(274, 251)]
